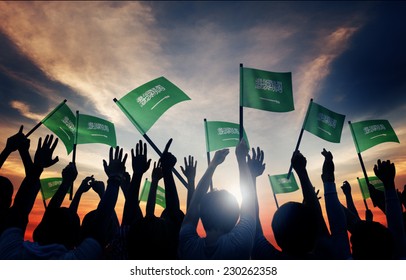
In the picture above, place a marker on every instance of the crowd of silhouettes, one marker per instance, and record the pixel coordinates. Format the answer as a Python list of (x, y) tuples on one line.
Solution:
[(231, 230)]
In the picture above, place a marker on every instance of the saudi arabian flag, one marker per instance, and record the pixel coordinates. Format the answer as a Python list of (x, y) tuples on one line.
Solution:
[(367, 134), (324, 123), (280, 184), (220, 135), (264, 90), (160, 194), (61, 121), (49, 186), (144, 105), (95, 130), (374, 181)]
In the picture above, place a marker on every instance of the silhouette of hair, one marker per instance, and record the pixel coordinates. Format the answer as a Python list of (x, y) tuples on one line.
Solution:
[(89, 226), (58, 225), (148, 239), (372, 241), (295, 228), (6, 192), (219, 210)]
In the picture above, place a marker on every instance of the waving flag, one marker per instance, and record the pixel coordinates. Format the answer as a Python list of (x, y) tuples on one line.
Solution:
[(220, 135), (374, 181), (324, 123), (49, 186), (280, 184), (144, 105), (160, 194), (264, 90), (367, 134), (95, 130), (61, 121)]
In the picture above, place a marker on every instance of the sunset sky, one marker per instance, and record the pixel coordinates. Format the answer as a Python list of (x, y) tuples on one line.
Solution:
[(348, 56)]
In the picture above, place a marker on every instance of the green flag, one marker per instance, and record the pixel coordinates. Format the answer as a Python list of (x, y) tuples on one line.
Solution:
[(144, 105), (220, 135), (367, 134), (61, 121), (280, 184), (264, 90), (95, 130), (49, 186), (160, 194), (374, 181), (324, 123)]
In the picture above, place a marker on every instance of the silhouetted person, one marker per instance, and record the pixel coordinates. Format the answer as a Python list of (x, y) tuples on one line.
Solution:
[(229, 230)]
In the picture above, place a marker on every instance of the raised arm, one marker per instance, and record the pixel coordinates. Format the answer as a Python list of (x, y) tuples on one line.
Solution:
[(140, 164), (335, 213), (192, 215), (84, 187), (310, 198), (156, 176), (26, 194), (21, 143), (168, 161), (386, 171), (190, 172), (346, 188), (69, 174)]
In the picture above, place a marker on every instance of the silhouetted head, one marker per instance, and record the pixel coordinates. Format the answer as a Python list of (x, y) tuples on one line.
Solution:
[(219, 210), (148, 239), (371, 241), (6, 192), (90, 228), (58, 225), (295, 229)]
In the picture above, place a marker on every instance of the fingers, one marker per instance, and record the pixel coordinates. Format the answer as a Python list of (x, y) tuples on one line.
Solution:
[(21, 129), (167, 146)]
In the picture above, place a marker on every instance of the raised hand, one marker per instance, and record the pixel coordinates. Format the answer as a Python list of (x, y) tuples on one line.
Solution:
[(256, 162), (17, 141), (298, 161), (43, 155), (190, 168), (168, 160), (157, 172), (220, 156), (241, 151), (328, 167), (115, 169), (385, 171), (346, 187), (70, 173), (86, 184), (140, 163)]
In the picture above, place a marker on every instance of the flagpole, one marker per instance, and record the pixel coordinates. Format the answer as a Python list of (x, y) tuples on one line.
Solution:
[(360, 160), (241, 99), (75, 139), (300, 136), (207, 150), (144, 134), (274, 195), (365, 201), (47, 117)]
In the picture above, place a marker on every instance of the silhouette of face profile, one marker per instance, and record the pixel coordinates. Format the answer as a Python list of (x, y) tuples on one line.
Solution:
[(219, 210)]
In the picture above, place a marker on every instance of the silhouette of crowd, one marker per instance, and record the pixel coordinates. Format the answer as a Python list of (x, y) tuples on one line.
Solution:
[(232, 230)]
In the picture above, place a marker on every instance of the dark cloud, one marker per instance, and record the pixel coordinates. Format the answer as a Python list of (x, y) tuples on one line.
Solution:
[(369, 77), (22, 80)]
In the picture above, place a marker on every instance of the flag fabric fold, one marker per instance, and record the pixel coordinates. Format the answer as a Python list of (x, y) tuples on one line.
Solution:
[(61, 121), (280, 184), (145, 104), (369, 133), (269, 91), (160, 194), (374, 181), (324, 123), (49, 186), (95, 130), (220, 135)]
